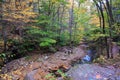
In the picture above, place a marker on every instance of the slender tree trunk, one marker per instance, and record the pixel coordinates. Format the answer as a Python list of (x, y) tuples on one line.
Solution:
[(61, 21), (108, 9), (103, 25), (4, 37), (71, 22), (100, 20), (111, 22), (3, 29)]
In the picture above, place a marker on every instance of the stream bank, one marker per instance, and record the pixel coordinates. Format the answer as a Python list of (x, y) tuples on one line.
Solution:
[(37, 66), (41, 64)]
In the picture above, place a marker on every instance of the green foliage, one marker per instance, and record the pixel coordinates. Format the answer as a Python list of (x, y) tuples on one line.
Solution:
[(18, 49), (2, 55), (41, 37), (43, 20), (27, 58), (118, 43), (47, 42), (64, 39), (50, 76), (1, 0), (63, 75), (95, 33), (35, 31), (52, 26)]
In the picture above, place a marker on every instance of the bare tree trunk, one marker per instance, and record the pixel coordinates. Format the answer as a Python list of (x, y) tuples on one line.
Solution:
[(61, 20), (100, 51), (3, 28), (71, 22), (103, 25), (4, 37), (111, 22)]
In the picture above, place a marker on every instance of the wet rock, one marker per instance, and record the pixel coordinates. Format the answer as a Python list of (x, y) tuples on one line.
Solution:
[(92, 72)]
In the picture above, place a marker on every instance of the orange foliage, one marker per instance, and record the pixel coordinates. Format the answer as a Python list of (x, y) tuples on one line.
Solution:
[(20, 10)]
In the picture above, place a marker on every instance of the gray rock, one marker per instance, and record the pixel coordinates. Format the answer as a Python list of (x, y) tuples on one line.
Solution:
[(30, 75), (92, 72)]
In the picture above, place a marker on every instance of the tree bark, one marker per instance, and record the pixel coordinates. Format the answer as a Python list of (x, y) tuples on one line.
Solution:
[(103, 25), (71, 22)]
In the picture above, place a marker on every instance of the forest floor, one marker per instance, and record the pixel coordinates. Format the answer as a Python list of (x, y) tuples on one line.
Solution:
[(43, 63), (38, 66)]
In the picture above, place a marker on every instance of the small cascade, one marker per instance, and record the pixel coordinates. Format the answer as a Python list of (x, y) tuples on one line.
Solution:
[(88, 57)]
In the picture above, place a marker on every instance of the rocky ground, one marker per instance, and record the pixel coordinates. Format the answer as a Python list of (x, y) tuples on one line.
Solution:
[(39, 66), (94, 72)]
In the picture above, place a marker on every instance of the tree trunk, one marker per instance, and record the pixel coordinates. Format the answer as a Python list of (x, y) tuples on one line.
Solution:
[(103, 25), (71, 22)]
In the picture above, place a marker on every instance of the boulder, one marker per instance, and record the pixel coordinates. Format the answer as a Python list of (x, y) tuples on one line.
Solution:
[(93, 72)]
